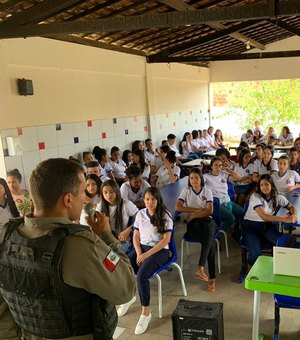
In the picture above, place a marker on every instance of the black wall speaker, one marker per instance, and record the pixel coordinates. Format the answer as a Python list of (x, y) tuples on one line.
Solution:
[(25, 87)]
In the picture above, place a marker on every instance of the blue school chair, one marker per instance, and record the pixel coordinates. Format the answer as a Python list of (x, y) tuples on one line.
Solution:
[(217, 219), (171, 262), (230, 186), (283, 301)]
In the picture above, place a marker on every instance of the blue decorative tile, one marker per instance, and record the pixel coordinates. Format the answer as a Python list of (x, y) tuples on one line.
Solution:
[(58, 127), (5, 152), (76, 140), (126, 131)]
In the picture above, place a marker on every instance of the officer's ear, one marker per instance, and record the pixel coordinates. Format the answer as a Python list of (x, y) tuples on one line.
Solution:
[(67, 200)]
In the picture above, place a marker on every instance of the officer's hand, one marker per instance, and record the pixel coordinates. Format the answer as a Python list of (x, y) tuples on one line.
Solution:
[(100, 222)]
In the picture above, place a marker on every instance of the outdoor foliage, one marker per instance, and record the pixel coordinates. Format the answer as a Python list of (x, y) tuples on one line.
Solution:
[(273, 103)]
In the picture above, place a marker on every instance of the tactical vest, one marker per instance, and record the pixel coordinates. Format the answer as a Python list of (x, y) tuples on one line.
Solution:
[(40, 302)]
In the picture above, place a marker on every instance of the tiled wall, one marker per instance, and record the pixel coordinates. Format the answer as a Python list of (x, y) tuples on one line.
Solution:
[(71, 139)]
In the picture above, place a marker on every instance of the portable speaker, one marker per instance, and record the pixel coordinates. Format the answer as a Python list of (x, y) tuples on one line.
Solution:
[(25, 87), (195, 320)]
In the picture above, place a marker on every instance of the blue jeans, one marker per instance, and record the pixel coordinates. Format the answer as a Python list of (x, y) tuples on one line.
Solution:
[(146, 269), (255, 234), (229, 218)]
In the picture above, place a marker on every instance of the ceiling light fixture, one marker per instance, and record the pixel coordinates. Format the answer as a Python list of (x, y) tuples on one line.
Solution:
[(248, 45)]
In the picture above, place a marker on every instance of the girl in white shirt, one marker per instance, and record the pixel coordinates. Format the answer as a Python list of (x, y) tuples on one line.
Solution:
[(285, 180), (197, 200), (117, 164), (286, 137), (8, 207), (257, 225), (168, 173), (121, 213), (139, 160), (152, 234), (186, 148), (267, 165)]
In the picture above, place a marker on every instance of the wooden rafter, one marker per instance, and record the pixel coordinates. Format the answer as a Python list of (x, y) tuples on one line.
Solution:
[(295, 30)]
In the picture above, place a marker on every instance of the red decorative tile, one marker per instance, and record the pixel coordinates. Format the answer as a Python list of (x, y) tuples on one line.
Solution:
[(20, 131), (42, 145), (89, 123), (145, 128), (103, 135)]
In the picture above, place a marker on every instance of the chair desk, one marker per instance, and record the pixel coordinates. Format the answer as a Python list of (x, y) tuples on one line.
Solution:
[(262, 279)]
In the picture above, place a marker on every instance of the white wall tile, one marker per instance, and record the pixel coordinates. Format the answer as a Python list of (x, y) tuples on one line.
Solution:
[(94, 131), (119, 127), (30, 160), (14, 162), (80, 130), (107, 143), (29, 139), (95, 142), (65, 151), (65, 136), (121, 142), (81, 147), (107, 127), (47, 134), (48, 153)]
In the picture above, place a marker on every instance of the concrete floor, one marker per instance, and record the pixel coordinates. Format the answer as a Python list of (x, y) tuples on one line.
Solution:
[(236, 299)]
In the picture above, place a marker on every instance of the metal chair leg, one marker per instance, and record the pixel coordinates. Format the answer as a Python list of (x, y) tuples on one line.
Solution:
[(181, 278), (218, 255), (159, 295), (181, 253)]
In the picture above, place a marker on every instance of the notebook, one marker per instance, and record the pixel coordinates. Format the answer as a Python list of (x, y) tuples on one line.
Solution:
[(286, 261)]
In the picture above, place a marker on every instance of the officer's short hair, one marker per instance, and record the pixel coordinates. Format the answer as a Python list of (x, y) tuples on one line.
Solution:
[(53, 178)]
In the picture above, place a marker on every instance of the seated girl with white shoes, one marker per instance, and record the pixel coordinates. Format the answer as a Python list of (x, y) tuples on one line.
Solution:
[(152, 234)]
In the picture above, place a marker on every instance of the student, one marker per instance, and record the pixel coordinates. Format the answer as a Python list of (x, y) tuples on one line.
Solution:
[(197, 201), (257, 155), (216, 181), (257, 225), (219, 138), (160, 158), (20, 196), (258, 137), (152, 234), (247, 137), (172, 144), (168, 173), (8, 207), (137, 145), (297, 146), (257, 126), (102, 158), (87, 156), (127, 157), (150, 153), (224, 155), (133, 190), (285, 180), (211, 139), (117, 164), (186, 148), (195, 142), (93, 186), (121, 212), (286, 137), (93, 167), (139, 160), (267, 165), (270, 134), (294, 160), (245, 169)]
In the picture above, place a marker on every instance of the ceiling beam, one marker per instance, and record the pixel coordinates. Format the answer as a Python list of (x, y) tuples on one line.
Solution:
[(292, 29), (136, 22), (203, 40), (179, 5), (8, 4), (39, 12), (225, 57)]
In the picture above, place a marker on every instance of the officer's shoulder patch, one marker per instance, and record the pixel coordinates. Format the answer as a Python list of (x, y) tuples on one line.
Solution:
[(111, 261)]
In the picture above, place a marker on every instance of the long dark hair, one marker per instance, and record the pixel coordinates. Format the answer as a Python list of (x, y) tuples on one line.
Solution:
[(97, 180), (125, 156), (158, 219), (274, 192), (119, 202), (183, 140), (141, 156), (268, 165), (199, 173), (216, 134), (10, 201), (242, 154)]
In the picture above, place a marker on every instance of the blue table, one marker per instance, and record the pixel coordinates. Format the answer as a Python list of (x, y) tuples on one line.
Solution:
[(171, 192), (294, 198)]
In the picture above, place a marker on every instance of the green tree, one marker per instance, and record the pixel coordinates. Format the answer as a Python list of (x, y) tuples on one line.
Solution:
[(273, 103)]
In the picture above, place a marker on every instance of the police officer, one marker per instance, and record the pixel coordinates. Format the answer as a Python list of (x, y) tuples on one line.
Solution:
[(62, 280)]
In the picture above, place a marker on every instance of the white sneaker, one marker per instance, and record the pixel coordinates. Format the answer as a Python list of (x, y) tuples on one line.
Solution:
[(122, 310), (142, 324)]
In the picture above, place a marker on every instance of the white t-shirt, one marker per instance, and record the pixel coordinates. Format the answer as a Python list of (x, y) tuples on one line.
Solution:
[(150, 157), (158, 162), (149, 235), (261, 169), (290, 178), (257, 201), (191, 199), (118, 168), (288, 139), (163, 175), (246, 139), (128, 194), (174, 148), (218, 185), (128, 210), (243, 172), (195, 144), (105, 169), (5, 215), (146, 172), (189, 148)]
